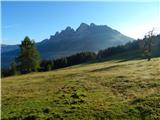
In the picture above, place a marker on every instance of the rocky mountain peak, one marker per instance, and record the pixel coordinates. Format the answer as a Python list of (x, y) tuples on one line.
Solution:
[(69, 29), (92, 25), (82, 27)]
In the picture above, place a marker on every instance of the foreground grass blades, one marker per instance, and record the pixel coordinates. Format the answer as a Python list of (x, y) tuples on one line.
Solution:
[(111, 90)]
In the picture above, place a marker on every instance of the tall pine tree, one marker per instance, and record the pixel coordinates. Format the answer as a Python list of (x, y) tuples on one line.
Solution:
[(28, 59)]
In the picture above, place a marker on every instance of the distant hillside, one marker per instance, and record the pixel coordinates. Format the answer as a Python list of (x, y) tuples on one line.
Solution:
[(133, 48), (69, 41), (7, 48)]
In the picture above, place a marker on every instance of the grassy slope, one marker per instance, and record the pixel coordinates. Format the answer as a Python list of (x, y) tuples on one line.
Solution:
[(104, 90)]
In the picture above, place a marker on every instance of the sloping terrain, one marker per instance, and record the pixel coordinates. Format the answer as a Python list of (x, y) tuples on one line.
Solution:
[(113, 89)]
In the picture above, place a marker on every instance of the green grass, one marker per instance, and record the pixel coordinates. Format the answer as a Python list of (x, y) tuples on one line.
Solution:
[(108, 90)]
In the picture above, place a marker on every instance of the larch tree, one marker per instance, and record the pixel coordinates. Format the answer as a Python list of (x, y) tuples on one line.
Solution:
[(147, 45)]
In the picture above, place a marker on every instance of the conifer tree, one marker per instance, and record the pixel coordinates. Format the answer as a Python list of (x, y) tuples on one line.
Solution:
[(28, 59)]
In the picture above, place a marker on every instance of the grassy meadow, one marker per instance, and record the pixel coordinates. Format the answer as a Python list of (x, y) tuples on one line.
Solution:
[(107, 90)]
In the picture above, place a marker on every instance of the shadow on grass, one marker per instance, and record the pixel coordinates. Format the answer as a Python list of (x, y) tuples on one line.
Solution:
[(106, 68)]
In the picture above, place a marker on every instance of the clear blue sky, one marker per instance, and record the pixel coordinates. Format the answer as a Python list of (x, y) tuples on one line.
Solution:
[(39, 20)]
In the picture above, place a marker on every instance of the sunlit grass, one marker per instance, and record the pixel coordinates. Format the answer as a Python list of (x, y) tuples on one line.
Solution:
[(103, 90)]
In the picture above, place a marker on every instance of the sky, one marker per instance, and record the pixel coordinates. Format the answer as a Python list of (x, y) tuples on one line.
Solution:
[(40, 19)]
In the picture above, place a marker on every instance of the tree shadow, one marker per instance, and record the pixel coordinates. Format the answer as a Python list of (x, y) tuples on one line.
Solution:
[(106, 68)]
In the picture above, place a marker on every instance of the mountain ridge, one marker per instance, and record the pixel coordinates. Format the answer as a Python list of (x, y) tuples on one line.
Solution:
[(70, 41)]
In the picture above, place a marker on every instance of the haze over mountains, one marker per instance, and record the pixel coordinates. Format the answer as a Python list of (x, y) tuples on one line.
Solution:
[(69, 41)]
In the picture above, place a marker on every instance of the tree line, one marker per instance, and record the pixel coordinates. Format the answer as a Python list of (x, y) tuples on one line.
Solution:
[(130, 46), (75, 59), (29, 60)]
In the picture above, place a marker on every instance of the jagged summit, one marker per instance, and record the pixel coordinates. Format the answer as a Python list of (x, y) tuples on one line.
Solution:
[(82, 27), (69, 29), (84, 24), (92, 25)]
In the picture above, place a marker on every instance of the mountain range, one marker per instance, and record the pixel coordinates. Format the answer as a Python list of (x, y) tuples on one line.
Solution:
[(69, 41)]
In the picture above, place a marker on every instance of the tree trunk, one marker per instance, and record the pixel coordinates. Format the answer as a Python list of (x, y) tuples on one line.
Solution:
[(149, 58)]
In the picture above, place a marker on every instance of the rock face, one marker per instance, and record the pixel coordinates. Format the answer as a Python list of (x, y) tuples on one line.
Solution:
[(69, 41)]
